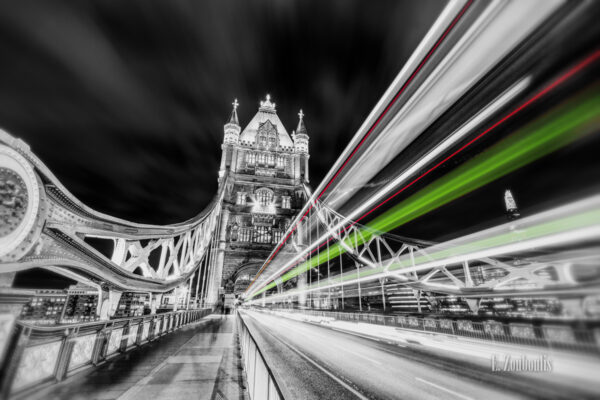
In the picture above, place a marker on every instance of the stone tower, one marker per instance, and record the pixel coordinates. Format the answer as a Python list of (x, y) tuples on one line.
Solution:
[(262, 172)]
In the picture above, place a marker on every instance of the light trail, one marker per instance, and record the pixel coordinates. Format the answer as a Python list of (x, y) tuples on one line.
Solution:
[(375, 124), (454, 138), (487, 40), (563, 225), (553, 85), (558, 128)]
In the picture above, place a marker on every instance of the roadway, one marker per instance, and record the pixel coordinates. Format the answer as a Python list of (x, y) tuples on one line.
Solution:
[(314, 362)]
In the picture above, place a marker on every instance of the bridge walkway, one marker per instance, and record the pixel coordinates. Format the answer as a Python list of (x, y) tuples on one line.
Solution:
[(200, 362)]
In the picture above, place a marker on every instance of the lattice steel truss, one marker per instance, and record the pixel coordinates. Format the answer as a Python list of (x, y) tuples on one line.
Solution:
[(531, 262), (505, 277), (60, 233)]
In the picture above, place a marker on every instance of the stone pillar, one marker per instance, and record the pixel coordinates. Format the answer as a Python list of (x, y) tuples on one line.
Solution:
[(234, 160), (155, 300), (223, 161), (109, 302), (296, 163), (220, 255), (306, 178)]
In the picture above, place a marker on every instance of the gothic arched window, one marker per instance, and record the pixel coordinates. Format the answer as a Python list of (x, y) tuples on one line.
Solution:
[(264, 196), (277, 235), (280, 162), (241, 199), (244, 234), (263, 234), (262, 141), (262, 158), (266, 136)]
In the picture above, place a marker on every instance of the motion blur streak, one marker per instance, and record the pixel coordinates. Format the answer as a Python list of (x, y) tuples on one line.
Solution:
[(564, 77), (572, 223), (375, 124), (556, 129), (501, 26), (453, 139)]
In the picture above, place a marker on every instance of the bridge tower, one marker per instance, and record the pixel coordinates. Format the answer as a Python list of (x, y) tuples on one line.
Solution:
[(262, 172)]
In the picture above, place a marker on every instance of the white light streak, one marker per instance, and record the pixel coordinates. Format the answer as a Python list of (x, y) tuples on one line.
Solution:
[(455, 137)]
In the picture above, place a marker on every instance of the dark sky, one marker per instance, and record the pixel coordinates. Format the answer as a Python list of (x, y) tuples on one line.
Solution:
[(125, 101)]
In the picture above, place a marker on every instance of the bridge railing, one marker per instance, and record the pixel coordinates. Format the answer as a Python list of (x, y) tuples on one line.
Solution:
[(41, 355), (261, 383), (520, 333)]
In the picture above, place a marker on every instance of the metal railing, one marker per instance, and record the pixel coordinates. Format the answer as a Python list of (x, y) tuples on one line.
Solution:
[(261, 383), (545, 335), (41, 355)]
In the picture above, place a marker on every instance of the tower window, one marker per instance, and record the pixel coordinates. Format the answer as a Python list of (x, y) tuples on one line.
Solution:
[(264, 196), (262, 158), (277, 235), (251, 158), (286, 202), (245, 234), (241, 199), (262, 141), (263, 234), (280, 162)]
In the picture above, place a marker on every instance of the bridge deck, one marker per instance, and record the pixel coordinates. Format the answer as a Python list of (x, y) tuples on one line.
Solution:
[(199, 362), (313, 361)]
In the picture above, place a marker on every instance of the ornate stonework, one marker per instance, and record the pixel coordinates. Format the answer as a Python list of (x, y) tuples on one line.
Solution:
[(21, 204), (263, 169), (13, 201)]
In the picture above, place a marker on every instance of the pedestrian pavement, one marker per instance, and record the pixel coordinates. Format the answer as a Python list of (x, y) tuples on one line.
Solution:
[(201, 361)]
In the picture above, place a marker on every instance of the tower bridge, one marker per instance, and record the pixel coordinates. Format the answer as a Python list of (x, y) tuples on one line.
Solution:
[(329, 296)]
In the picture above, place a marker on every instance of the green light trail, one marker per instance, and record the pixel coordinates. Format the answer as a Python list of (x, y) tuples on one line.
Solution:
[(582, 220), (549, 133)]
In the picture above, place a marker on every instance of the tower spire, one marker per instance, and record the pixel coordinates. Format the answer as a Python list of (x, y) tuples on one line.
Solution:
[(233, 119), (301, 129), (232, 127), (301, 137)]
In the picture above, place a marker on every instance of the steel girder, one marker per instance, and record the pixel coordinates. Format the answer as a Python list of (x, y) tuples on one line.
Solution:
[(536, 274), (60, 233)]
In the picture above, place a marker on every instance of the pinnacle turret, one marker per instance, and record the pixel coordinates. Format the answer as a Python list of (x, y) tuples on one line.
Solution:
[(233, 119), (301, 129), (232, 127), (301, 135)]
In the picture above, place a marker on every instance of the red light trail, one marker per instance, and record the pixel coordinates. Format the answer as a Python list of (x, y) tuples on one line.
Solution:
[(375, 124)]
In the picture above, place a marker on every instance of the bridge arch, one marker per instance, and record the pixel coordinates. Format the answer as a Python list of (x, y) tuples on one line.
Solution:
[(242, 277)]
